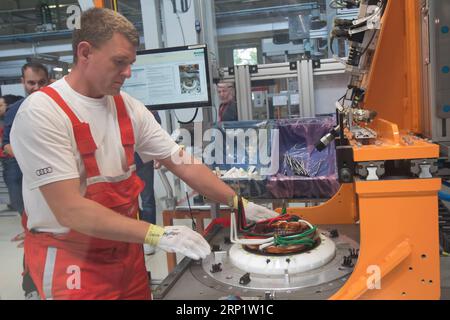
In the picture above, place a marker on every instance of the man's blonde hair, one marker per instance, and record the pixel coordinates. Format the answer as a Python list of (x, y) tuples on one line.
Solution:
[(98, 25)]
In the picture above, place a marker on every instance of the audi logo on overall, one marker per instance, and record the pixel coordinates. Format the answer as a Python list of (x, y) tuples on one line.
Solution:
[(42, 172)]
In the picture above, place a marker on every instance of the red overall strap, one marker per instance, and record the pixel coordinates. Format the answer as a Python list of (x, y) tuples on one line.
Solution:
[(126, 129), (83, 137)]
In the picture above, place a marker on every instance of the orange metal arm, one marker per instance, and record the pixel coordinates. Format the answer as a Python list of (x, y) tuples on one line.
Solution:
[(358, 287)]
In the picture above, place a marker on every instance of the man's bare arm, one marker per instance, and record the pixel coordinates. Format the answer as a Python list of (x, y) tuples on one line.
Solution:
[(88, 217), (199, 177)]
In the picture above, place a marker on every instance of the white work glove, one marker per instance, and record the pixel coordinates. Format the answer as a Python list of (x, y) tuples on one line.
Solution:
[(253, 211), (179, 239)]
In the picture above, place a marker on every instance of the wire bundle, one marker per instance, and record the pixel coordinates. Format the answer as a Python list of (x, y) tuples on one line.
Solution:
[(300, 168), (266, 234), (302, 238), (297, 166)]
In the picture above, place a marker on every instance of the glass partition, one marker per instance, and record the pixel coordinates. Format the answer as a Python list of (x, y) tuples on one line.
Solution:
[(280, 31), (275, 99)]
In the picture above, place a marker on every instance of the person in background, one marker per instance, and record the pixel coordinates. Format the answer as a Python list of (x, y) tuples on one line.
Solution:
[(34, 77), (228, 106), (5, 102)]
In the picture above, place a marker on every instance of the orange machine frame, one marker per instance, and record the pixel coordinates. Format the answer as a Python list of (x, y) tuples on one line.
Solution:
[(398, 218), (99, 3), (104, 3)]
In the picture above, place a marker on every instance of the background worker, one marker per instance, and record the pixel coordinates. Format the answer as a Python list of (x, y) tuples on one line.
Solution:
[(228, 106), (5, 102), (34, 77)]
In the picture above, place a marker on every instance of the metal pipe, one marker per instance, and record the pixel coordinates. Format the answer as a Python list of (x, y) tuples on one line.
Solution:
[(29, 37), (278, 9)]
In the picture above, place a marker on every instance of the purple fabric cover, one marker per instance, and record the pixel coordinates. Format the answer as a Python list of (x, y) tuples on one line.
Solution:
[(297, 139)]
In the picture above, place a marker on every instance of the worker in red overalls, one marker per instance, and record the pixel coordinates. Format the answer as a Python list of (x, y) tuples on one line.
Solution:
[(75, 142)]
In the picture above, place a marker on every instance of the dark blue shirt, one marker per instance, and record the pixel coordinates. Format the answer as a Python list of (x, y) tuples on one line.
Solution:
[(9, 119)]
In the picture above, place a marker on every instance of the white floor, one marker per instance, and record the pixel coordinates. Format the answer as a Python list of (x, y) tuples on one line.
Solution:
[(11, 256)]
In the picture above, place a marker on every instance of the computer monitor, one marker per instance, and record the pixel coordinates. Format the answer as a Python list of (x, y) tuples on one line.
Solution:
[(171, 78)]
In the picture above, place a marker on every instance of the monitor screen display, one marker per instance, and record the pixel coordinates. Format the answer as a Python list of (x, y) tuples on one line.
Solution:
[(171, 78)]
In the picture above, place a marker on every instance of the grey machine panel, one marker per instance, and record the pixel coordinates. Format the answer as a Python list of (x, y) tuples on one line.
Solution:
[(192, 280), (442, 47)]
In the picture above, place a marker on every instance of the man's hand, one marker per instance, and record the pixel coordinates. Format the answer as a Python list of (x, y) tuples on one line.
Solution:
[(178, 239), (253, 211), (7, 149)]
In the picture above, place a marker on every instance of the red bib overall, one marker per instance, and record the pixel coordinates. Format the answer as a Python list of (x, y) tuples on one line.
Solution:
[(77, 266)]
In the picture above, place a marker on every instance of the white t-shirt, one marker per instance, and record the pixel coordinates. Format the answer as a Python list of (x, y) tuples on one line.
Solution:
[(44, 144)]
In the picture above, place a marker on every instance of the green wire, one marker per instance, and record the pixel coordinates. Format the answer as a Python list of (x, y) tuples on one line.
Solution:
[(297, 239), (306, 242), (301, 235), (281, 239), (303, 240)]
